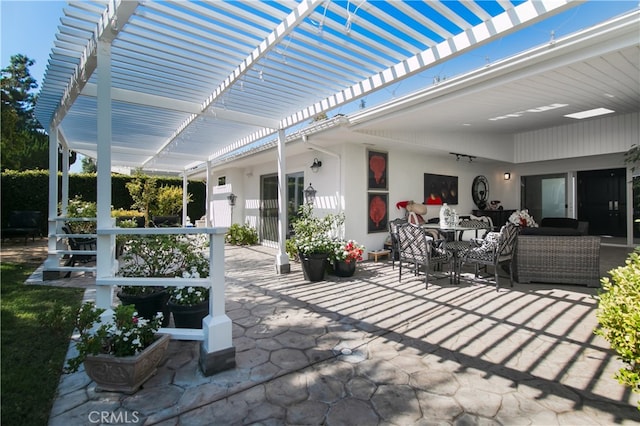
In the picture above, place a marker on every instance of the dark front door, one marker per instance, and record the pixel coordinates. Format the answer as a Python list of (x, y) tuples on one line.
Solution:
[(602, 201), (269, 208), (269, 204)]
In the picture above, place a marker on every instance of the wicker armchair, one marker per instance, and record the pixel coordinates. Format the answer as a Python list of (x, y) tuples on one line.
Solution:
[(421, 251), (495, 249)]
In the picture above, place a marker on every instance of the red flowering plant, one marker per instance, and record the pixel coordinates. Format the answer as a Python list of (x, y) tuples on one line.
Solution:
[(347, 251)]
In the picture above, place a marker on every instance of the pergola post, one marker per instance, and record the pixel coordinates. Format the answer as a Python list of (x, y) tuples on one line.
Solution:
[(282, 259), (49, 272), (105, 255), (217, 352)]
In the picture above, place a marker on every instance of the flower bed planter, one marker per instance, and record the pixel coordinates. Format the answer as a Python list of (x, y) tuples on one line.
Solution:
[(126, 374)]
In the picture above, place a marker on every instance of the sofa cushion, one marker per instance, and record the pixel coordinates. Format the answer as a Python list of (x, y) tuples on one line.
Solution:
[(550, 231), (559, 222)]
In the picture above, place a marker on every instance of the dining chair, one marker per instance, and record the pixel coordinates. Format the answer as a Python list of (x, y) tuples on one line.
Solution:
[(495, 249), (395, 245), (421, 251)]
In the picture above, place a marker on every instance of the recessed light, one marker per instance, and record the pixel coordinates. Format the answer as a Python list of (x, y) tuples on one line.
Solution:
[(589, 113)]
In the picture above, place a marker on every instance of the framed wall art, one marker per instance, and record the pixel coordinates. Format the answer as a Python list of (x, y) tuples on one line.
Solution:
[(378, 170), (378, 212), (440, 189)]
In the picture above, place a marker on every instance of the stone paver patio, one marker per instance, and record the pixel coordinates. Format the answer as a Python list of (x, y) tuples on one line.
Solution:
[(372, 350)]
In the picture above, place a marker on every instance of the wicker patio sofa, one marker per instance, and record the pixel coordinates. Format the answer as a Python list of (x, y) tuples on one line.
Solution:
[(565, 259)]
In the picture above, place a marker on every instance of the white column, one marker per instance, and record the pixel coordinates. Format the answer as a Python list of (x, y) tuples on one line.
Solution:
[(105, 257), (208, 210), (185, 183), (629, 212), (65, 181), (282, 259), (52, 258), (217, 325)]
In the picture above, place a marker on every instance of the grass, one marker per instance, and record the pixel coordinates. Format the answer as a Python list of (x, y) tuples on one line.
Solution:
[(37, 322)]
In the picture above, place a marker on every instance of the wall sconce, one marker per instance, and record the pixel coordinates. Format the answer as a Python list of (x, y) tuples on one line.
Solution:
[(316, 165), (310, 194), (507, 175), (232, 199)]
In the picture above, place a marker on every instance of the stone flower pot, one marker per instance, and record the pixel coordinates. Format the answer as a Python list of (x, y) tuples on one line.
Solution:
[(126, 374)]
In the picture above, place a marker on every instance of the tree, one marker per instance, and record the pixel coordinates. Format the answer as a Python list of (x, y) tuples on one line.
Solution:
[(89, 165), (144, 192), (24, 143)]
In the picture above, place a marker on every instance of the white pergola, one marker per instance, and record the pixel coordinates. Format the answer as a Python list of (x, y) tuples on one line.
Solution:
[(175, 85)]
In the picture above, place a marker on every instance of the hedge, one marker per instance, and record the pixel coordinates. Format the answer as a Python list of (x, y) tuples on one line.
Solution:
[(29, 190)]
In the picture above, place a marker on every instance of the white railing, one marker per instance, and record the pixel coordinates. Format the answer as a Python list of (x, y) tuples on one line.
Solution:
[(59, 249), (216, 331)]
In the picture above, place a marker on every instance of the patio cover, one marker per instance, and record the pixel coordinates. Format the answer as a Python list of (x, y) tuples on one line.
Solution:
[(194, 81)]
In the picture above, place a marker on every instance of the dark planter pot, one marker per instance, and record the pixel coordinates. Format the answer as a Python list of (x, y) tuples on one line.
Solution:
[(148, 305), (344, 269), (314, 266), (189, 316)]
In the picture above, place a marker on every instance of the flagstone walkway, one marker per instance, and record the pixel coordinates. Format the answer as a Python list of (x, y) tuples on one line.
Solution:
[(371, 350)]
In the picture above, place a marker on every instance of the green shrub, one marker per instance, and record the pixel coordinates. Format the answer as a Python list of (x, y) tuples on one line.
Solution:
[(169, 201), (619, 317), (292, 249), (241, 235), (80, 208)]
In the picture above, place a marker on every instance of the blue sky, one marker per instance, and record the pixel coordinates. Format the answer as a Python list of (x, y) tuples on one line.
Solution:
[(29, 27)]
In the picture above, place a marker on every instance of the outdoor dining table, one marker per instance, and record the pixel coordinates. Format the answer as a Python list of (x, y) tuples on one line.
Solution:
[(456, 245)]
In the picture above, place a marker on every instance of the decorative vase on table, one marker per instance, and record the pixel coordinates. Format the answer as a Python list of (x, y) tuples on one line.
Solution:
[(342, 268), (314, 265), (126, 374), (188, 316)]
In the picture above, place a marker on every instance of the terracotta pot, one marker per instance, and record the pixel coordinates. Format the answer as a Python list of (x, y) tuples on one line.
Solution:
[(188, 316), (126, 374)]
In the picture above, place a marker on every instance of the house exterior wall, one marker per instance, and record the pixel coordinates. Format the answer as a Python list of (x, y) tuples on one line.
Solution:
[(605, 135), (341, 182), (406, 182)]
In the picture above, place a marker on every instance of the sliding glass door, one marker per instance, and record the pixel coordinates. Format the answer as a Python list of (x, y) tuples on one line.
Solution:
[(545, 195), (269, 204)]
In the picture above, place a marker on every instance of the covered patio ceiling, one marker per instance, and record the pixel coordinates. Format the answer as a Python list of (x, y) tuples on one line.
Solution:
[(192, 81)]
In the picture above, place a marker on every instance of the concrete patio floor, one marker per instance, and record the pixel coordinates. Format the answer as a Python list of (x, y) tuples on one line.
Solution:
[(372, 350)]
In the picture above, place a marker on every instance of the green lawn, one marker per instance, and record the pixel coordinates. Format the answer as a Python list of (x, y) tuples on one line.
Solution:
[(36, 322)]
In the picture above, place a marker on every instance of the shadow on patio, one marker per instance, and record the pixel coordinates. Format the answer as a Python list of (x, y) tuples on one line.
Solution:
[(368, 349)]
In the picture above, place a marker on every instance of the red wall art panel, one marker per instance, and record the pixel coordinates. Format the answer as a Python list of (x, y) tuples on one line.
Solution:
[(378, 212), (378, 169)]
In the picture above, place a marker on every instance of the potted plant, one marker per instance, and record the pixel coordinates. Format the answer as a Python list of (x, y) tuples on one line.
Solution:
[(345, 256), (160, 256), (189, 304), (314, 241), (121, 353)]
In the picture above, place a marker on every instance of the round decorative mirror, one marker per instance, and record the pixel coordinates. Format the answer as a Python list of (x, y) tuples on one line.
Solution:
[(480, 191)]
